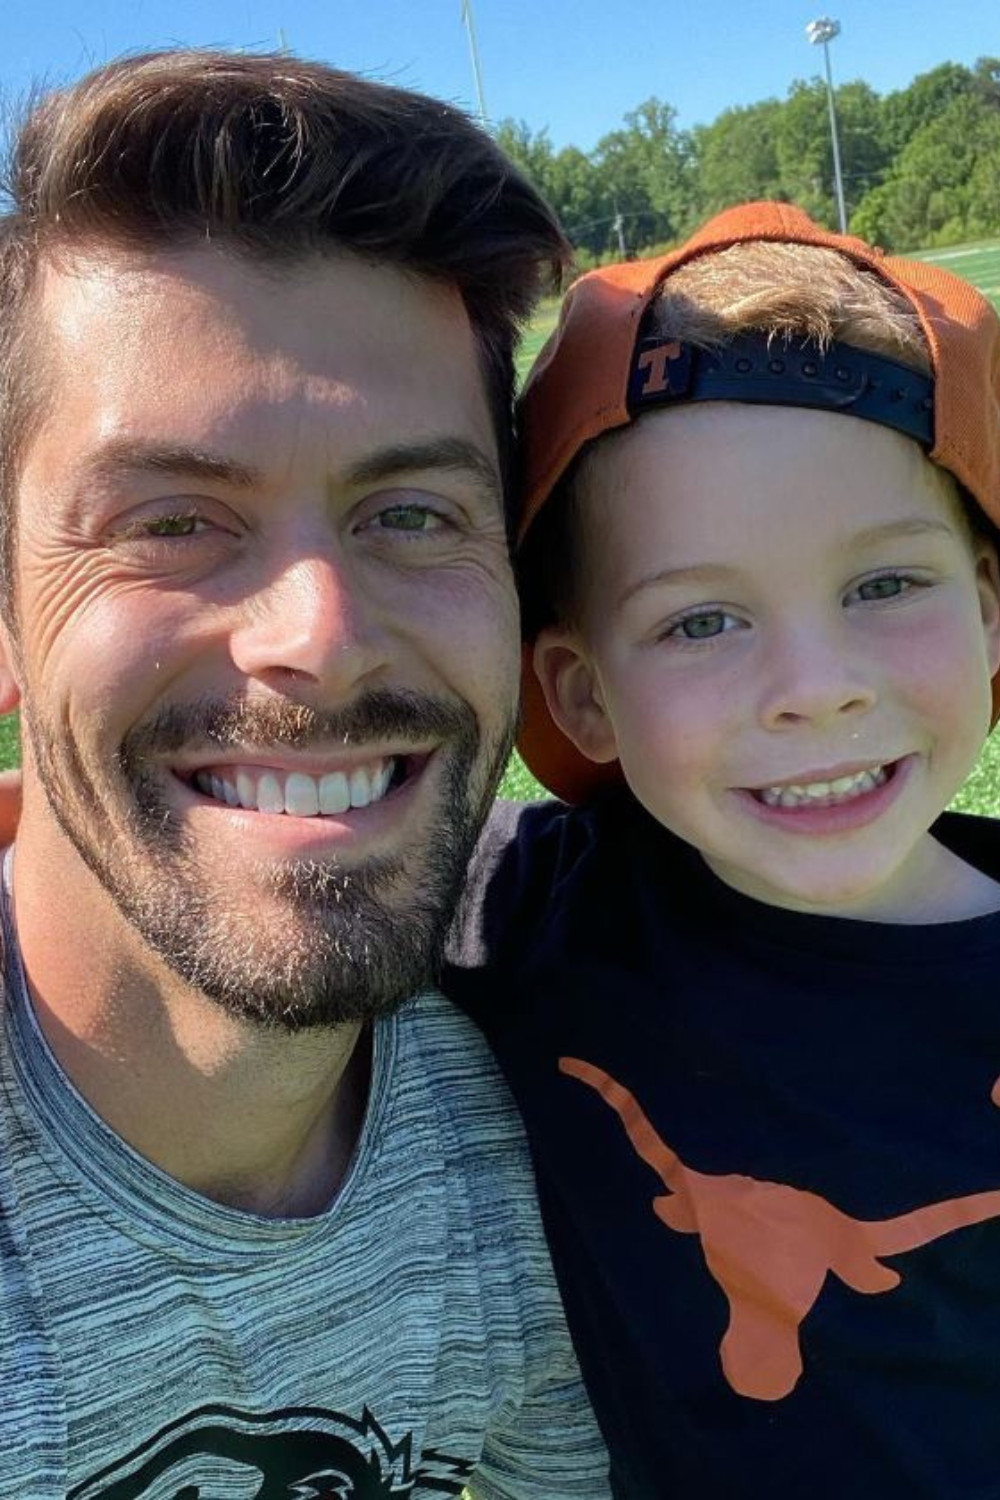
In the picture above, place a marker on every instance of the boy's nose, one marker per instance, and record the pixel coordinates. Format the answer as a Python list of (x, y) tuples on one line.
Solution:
[(814, 680), (312, 622)]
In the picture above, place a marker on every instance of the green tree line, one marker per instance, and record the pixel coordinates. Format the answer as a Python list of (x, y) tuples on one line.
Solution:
[(921, 166)]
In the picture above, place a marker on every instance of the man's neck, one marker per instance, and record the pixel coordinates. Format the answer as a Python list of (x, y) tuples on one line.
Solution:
[(254, 1118)]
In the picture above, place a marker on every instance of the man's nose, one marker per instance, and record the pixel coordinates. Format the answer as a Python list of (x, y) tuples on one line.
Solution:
[(815, 677), (312, 622)]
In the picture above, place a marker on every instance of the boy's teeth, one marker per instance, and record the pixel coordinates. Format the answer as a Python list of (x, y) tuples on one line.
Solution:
[(841, 789), (295, 792)]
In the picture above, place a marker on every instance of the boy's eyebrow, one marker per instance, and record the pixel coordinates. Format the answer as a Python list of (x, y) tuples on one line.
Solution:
[(888, 531), (697, 573), (714, 573)]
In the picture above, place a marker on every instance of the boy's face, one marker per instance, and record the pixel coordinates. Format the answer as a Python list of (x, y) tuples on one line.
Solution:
[(787, 637)]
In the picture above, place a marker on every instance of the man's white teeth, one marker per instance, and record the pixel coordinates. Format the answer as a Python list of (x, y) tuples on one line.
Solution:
[(824, 793), (297, 793)]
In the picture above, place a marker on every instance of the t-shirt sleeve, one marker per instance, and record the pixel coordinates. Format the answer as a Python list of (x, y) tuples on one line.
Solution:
[(490, 892), (517, 863)]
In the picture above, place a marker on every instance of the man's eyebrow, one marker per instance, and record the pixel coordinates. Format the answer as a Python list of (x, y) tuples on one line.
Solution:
[(453, 454), (123, 456)]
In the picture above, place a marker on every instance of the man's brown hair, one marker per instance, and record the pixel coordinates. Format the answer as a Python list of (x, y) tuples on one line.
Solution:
[(281, 160)]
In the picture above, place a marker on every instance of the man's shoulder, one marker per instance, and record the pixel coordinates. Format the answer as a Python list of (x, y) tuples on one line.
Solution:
[(446, 1056), (477, 1133)]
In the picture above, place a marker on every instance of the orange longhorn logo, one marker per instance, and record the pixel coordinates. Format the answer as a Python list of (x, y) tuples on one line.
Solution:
[(770, 1247)]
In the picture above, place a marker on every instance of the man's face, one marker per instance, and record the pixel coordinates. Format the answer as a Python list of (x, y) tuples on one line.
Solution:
[(267, 640), (789, 639)]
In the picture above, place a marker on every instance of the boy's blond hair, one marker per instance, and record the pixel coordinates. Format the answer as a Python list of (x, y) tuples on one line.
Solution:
[(793, 294)]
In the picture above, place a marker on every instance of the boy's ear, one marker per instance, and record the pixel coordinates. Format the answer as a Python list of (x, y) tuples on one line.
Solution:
[(988, 583), (573, 694), (10, 688)]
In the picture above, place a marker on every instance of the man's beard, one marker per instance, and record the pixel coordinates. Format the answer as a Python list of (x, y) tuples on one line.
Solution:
[(341, 944)]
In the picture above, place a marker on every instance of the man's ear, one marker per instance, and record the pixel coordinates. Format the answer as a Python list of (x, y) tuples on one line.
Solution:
[(988, 583), (573, 693)]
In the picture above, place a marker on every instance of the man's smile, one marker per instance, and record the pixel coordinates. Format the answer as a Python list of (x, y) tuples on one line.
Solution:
[(266, 788), (307, 798)]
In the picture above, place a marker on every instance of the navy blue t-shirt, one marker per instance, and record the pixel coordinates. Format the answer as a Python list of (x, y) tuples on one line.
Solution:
[(768, 1152)]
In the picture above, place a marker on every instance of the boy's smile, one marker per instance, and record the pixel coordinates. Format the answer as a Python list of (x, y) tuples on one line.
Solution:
[(831, 801), (786, 636)]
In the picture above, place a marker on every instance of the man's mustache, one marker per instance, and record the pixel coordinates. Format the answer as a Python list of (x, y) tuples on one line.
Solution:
[(233, 723)]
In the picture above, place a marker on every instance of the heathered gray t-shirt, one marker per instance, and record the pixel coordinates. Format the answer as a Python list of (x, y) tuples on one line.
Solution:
[(407, 1342)]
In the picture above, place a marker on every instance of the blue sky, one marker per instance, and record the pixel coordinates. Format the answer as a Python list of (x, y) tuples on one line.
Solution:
[(574, 66)]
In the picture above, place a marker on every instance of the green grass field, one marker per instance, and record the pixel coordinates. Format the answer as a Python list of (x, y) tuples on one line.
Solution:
[(542, 324), (979, 264)]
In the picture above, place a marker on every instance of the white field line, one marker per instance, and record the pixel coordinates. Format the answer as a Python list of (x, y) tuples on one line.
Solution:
[(955, 254)]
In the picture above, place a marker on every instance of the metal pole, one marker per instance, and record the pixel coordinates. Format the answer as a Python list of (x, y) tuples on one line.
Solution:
[(477, 72), (618, 225), (838, 176), (824, 30)]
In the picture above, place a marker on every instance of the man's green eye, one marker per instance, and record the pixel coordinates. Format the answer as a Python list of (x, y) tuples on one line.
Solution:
[(407, 518), (185, 525)]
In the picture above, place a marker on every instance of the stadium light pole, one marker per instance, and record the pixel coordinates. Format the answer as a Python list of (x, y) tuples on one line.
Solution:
[(477, 71), (823, 32)]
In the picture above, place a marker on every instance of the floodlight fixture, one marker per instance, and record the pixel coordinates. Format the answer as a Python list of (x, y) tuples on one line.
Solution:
[(823, 30)]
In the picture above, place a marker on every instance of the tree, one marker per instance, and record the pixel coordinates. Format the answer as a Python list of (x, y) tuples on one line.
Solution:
[(908, 110), (805, 151), (529, 149), (735, 158), (647, 176), (579, 195), (944, 186), (569, 180), (921, 166)]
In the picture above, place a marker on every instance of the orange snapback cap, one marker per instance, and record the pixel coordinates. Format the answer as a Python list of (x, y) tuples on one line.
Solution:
[(583, 384)]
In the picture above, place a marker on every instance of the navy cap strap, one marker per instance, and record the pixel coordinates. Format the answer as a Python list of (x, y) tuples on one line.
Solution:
[(759, 369)]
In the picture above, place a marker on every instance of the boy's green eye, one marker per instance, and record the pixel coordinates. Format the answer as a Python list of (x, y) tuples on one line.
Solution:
[(701, 627), (885, 586)]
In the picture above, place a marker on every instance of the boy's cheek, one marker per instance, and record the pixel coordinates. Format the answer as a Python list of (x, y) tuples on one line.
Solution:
[(671, 747)]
